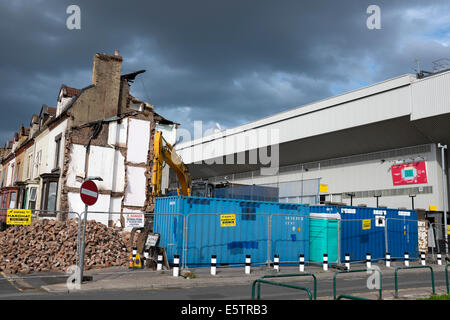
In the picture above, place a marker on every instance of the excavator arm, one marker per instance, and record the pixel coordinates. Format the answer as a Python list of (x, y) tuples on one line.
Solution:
[(166, 153), (163, 152)]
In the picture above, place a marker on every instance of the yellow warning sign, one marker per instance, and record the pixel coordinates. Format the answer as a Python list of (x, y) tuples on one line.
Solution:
[(131, 262), (228, 220), (137, 261), (18, 217), (323, 188), (366, 224)]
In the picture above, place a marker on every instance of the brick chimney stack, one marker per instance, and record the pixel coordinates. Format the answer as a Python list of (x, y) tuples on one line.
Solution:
[(106, 78)]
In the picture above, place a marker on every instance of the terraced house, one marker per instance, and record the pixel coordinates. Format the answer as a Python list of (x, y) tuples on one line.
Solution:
[(100, 130)]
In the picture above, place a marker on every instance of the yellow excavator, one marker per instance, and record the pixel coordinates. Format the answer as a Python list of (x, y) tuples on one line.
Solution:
[(163, 153)]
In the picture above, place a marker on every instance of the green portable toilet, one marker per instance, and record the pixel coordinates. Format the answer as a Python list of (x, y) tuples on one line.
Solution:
[(324, 237)]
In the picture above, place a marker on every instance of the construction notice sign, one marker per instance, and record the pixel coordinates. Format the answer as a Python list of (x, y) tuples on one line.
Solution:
[(409, 173), (366, 224), (134, 220), (228, 220), (18, 217)]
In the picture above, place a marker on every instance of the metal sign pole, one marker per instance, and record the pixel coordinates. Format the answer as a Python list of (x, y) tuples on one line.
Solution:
[(82, 245), (444, 195)]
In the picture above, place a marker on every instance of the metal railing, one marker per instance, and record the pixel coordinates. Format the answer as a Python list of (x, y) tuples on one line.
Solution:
[(446, 278), (257, 284), (380, 290), (413, 267)]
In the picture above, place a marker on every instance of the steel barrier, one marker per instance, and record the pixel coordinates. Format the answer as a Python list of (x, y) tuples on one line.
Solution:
[(353, 297), (413, 267), (286, 285), (446, 278), (285, 276)]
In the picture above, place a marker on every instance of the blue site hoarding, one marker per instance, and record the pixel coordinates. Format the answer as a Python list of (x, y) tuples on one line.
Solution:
[(196, 228), (377, 231), (362, 230)]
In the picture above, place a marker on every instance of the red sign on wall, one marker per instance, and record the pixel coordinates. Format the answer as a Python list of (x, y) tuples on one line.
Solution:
[(409, 173)]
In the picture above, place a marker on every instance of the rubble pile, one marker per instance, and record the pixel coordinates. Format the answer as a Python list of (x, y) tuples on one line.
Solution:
[(48, 245)]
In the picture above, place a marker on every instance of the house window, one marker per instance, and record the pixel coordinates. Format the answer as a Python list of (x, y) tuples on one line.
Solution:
[(12, 200), (32, 199), (16, 176), (49, 192), (57, 150), (30, 166), (38, 161), (11, 181)]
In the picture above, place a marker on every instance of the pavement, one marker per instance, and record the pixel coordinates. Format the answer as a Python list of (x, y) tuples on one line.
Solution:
[(120, 278)]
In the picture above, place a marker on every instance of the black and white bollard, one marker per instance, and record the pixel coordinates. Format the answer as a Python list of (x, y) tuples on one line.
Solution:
[(213, 264), (248, 261), (347, 261), (134, 256), (423, 259), (301, 263), (406, 259), (176, 265), (388, 259), (325, 262), (144, 262), (439, 259), (159, 263), (368, 261), (276, 263)]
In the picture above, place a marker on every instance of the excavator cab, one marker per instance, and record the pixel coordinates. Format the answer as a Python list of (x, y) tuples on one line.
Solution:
[(202, 188)]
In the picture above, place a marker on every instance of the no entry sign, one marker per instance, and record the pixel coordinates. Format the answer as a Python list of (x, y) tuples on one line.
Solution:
[(89, 193)]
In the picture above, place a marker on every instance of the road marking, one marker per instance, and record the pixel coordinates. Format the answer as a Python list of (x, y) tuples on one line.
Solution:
[(11, 282)]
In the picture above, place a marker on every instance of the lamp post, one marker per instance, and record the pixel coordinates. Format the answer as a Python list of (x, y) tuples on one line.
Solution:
[(351, 195), (377, 196), (444, 194), (412, 196)]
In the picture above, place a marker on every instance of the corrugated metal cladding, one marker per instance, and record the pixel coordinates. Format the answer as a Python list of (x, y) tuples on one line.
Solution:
[(377, 231), (430, 96), (366, 230), (231, 229)]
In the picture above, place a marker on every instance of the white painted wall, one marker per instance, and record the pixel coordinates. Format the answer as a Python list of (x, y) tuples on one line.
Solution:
[(136, 186), (138, 140)]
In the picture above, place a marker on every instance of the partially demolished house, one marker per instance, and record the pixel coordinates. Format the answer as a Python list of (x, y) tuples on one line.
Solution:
[(98, 131)]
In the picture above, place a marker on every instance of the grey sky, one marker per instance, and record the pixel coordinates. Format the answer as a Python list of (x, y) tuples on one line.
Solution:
[(217, 61)]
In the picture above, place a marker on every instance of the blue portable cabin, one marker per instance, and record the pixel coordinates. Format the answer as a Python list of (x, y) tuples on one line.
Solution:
[(196, 228)]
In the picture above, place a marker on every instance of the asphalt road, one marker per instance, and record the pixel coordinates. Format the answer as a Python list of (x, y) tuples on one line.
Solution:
[(345, 285)]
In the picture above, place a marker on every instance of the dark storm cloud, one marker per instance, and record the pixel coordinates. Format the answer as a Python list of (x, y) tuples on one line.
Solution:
[(218, 61)]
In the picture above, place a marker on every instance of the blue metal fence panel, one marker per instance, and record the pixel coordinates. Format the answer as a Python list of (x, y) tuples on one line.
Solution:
[(361, 234), (230, 229), (402, 233), (290, 232)]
